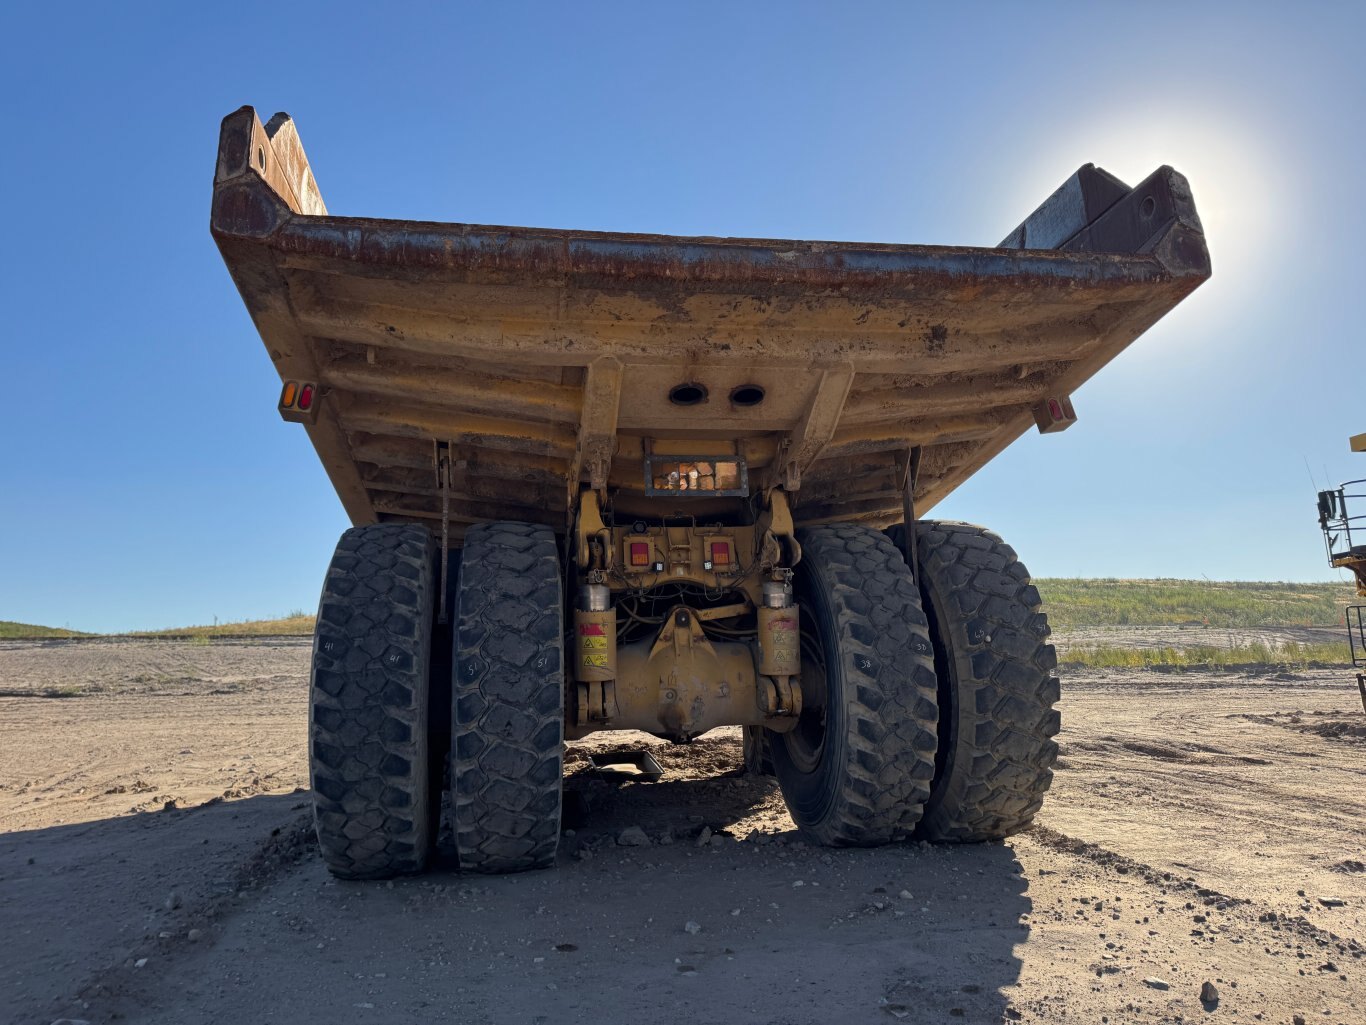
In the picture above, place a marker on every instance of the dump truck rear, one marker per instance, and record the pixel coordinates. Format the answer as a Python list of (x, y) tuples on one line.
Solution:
[(638, 482)]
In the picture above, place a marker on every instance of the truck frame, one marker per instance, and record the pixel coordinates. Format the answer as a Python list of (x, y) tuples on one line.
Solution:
[(606, 481)]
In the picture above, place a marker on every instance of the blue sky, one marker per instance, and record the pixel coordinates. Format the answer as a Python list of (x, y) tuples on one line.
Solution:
[(147, 480)]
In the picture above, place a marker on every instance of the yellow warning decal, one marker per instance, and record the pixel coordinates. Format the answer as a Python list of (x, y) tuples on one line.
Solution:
[(592, 642), (592, 661)]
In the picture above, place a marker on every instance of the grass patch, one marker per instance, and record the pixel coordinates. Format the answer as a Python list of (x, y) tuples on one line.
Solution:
[(295, 624), (27, 631), (1289, 655), (1075, 603)]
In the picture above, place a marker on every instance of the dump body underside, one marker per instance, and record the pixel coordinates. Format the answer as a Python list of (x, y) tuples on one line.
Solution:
[(545, 359)]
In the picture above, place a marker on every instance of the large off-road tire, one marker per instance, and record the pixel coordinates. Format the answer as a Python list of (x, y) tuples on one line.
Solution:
[(368, 706), (996, 684), (856, 770), (507, 721)]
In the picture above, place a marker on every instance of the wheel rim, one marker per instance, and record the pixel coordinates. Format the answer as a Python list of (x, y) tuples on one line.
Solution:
[(805, 742)]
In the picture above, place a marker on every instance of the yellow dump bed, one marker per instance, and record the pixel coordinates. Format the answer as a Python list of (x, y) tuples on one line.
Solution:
[(542, 359)]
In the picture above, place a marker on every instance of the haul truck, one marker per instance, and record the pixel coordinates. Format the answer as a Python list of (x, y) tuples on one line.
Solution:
[(612, 481), (1344, 537)]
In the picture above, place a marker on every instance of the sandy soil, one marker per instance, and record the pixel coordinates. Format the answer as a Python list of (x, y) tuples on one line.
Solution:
[(156, 866)]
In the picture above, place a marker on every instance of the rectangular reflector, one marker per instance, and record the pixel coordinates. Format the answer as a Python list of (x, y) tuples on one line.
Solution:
[(299, 401), (640, 553)]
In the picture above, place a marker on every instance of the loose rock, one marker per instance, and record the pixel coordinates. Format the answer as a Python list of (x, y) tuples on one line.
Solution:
[(633, 836), (1154, 982), (704, 837), (1208, 994), (692, 928)]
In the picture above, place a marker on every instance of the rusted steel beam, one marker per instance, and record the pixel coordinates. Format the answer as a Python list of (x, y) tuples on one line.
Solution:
[(590, 259), (470, 512), (986, 392), (378, 416), (379, 451), (596, 441), (469, 489), (878, 437), (456, 390), (804, 445), (959, 341)]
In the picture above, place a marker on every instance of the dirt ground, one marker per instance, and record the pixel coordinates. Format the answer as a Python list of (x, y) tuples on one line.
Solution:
[(156, 865)]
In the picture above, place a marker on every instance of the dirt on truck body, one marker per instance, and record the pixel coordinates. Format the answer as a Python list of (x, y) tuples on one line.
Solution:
[(612, 481)]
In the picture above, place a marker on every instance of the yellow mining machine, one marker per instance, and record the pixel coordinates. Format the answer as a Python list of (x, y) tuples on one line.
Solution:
[(1344, 535)]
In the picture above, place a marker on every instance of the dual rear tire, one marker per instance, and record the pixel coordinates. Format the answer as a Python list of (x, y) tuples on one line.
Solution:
[(376, 796), (927, 711), (857, 767), (928, 699), (996, 688)]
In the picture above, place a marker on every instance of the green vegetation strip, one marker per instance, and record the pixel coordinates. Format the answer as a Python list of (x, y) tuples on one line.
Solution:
[(26, 631), (295, 624), (1077, 603), (1289, 655)]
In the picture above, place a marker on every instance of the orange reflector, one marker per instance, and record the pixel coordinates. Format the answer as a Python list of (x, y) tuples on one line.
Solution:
[(291, 392), (640, 553)]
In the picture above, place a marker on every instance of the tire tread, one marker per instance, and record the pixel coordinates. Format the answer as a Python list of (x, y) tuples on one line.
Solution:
[(368, 703), (507, 708), (889, 695), (996, 645)]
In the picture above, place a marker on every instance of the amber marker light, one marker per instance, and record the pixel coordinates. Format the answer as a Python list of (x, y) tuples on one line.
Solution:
[(298, 402)]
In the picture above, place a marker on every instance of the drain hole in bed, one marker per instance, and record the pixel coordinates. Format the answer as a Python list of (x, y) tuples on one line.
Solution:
[(687, 394), (747, 395)]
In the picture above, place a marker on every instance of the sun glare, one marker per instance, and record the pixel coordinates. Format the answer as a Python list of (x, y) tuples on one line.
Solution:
[(1237, 175), (1238, 186)]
